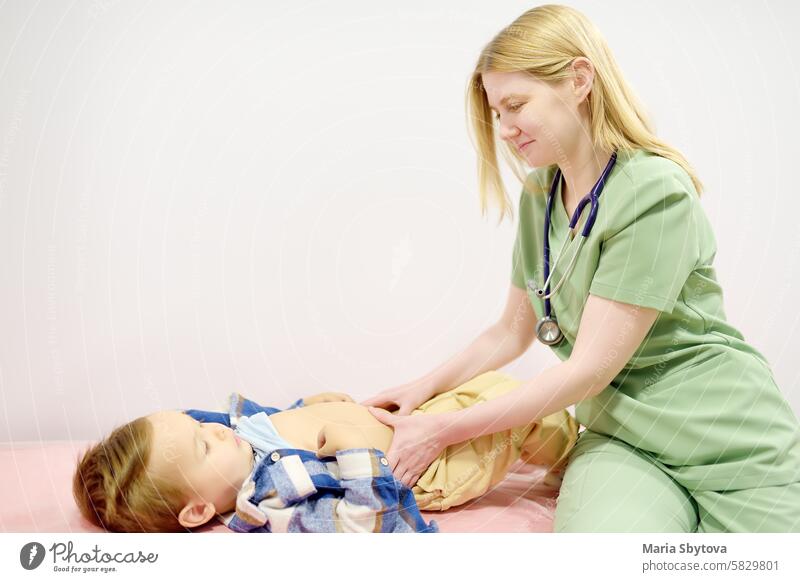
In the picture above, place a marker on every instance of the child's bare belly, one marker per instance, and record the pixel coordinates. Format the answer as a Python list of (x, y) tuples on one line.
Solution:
[(300, 426)]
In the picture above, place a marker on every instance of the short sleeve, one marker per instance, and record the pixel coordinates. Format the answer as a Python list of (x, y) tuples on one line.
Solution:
[(649, 259), (525, 230), (517, 268)]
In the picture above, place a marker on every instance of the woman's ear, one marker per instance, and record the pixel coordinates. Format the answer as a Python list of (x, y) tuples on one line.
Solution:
[(583, 78)]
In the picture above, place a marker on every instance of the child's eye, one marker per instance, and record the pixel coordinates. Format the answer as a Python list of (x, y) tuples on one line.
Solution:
[(205, 444)]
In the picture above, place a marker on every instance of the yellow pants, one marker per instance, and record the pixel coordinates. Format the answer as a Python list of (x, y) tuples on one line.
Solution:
[(467, 470)]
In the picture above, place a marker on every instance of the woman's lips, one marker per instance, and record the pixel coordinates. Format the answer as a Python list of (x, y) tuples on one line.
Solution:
[(526, 144)]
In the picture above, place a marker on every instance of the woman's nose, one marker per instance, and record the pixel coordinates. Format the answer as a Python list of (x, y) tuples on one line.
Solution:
[(507, 132)]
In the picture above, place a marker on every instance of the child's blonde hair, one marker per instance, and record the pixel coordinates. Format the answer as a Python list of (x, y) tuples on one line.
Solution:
[(543, 42), (114, 490)]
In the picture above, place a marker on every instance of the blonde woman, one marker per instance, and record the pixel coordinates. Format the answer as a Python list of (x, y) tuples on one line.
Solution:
[(686, 429)]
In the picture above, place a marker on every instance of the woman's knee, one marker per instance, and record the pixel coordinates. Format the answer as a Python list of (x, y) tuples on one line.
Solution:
[(610, 487)]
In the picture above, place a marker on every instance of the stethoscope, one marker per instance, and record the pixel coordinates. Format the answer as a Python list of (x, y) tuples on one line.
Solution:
[(547, 329)]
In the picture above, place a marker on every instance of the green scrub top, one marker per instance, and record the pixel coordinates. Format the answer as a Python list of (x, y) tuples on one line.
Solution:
[(695, 397)]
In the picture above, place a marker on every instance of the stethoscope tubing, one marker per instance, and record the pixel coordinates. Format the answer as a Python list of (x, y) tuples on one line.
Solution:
[(591, 198)]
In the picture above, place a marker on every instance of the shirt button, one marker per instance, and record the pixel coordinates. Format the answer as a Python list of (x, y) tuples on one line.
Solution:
[(384, 461), (275, 456)]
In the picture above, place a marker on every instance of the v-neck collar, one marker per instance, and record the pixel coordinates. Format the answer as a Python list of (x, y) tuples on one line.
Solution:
[(560, 218), (559, 202)]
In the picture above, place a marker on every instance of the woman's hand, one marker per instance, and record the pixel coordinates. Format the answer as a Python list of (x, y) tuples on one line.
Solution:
[(417, 441), (403, 398), (327, 397)]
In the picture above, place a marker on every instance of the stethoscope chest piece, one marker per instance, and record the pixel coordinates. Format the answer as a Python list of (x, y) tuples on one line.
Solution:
[(548, 332)]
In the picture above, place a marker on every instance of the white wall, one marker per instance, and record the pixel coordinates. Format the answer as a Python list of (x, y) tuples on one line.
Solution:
[(280, 198)]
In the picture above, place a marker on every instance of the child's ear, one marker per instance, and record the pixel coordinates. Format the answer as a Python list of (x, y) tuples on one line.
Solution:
[(196, 513)]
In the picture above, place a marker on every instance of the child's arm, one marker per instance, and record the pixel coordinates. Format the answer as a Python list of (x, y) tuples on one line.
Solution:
[(246, 407), (326, 397), (240, 406)]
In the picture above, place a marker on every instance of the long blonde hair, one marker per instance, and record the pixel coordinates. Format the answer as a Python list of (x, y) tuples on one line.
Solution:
[(543, 42)]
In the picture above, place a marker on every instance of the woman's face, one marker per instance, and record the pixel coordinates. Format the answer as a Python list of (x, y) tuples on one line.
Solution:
[(542, 121)]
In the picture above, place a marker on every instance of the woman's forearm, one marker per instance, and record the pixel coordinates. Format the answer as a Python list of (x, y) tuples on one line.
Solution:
[(551, 391), (493, 349)]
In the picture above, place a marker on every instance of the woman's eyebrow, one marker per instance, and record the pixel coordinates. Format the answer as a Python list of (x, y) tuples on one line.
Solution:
[(505, 99)]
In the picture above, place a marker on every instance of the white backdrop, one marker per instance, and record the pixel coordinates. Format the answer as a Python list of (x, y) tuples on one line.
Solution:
[(281, 198)]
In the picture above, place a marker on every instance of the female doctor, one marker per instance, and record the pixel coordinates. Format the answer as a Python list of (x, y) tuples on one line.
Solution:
[(612, 268)]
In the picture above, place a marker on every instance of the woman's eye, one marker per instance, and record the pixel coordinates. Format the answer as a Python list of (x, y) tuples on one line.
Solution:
[(511, 108)]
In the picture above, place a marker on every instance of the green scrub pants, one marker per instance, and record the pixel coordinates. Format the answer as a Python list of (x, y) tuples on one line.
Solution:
[(610, 486)]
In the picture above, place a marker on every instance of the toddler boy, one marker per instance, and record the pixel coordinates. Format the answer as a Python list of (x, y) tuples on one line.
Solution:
[(317, 466)]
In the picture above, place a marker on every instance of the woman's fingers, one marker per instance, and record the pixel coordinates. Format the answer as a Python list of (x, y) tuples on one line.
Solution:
[(376, 401), (410, 478), (404, 460), (394, 460), (404, 471), (386, 418), (407, 475)]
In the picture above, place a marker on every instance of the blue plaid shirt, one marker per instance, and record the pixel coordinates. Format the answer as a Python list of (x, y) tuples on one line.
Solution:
[(293, 490)]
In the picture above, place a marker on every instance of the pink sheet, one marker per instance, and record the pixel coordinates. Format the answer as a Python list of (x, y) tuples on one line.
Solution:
[(36, 496)]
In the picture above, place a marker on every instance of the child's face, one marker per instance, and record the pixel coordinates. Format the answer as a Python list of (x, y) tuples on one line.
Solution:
[(208, 460)]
